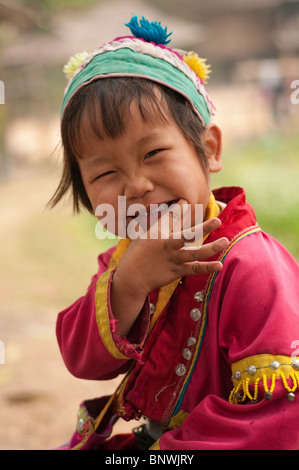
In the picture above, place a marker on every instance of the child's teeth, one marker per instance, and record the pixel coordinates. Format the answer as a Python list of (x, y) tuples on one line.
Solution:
[(160, 208)]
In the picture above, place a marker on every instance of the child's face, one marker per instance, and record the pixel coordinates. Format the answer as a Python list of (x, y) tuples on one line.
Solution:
[(151, 163)]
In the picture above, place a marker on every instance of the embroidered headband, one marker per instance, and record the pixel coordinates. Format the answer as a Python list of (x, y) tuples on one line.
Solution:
[(146, 55)]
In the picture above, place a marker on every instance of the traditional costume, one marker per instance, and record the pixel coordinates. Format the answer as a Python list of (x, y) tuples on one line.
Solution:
[(211, 360)]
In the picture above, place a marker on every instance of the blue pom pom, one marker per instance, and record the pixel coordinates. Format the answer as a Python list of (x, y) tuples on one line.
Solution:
[(150, 32)]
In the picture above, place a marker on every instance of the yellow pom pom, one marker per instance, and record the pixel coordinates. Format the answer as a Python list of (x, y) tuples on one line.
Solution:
[(74, 63), (198, 65)]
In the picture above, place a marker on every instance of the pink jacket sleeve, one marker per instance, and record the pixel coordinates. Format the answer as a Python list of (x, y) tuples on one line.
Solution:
[(87, 332)]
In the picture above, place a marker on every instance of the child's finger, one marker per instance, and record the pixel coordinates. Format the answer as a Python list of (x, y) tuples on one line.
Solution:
[(202, 267), (210, 225), (201, 230), (198, 253), (194, 234)]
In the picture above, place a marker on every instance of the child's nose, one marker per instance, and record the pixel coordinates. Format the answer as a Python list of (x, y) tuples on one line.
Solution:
[(137, 186)]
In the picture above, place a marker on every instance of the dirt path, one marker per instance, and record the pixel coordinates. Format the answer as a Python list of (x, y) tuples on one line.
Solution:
[(38, 397)]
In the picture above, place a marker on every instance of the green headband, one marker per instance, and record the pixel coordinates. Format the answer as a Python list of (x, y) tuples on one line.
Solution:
[(137, 57)]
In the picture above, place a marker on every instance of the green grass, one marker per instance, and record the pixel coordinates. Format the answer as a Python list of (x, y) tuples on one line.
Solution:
[(268, 169)]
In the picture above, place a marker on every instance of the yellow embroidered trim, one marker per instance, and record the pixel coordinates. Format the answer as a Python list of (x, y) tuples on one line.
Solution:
[(213, 209), (164, 296), (101, 301), (175, 422), (102, 315), (178, 419), (156, 445), (263, 368), (118, 253)]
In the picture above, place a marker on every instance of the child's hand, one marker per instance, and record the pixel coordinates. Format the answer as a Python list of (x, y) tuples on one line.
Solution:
[(149, 264), (153, 263)]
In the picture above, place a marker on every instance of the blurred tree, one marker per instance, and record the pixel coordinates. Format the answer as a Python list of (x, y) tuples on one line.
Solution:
[(18, 16), (15, 12), (15, 18), (238, 30), (54, 5)]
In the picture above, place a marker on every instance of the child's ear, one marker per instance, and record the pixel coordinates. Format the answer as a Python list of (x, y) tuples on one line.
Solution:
[(212, 141)]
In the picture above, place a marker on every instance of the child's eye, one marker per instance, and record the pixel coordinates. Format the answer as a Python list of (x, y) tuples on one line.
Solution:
[(153, 152), (103, 174)]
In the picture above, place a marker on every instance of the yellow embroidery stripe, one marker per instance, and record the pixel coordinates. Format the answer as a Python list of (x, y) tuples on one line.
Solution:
[(254, 229), (101, 301), (156, 445), (175, 422), (264, 364), (102, 315)]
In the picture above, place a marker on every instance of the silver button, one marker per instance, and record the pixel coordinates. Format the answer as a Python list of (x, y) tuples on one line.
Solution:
[(295, 364), (191, 341), (199, 296), (237, 374), (180, 370), (187, 354), (274, 365), (291, 396), (195, 314), (251, 370), (80, 425), (152, 309)]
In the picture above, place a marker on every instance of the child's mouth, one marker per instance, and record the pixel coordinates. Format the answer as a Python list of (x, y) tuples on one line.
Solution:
[(152, 210), (147, 217)]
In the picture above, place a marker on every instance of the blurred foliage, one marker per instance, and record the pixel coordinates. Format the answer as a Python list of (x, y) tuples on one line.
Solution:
[(55, 5), (2, 110), (39, 92), (37, 16), (268, 169), (178, 8)]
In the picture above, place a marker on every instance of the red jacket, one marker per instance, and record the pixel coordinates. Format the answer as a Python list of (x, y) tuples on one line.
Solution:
[(219, 368)]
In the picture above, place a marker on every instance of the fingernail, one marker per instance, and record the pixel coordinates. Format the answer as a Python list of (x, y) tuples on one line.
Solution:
[(223, 244), (216, 222)]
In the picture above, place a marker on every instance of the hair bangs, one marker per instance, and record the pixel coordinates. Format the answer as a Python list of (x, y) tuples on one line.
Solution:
[(108, 104)]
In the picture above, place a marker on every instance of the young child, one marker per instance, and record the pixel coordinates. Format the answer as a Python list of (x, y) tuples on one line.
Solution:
[(205, 336)]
